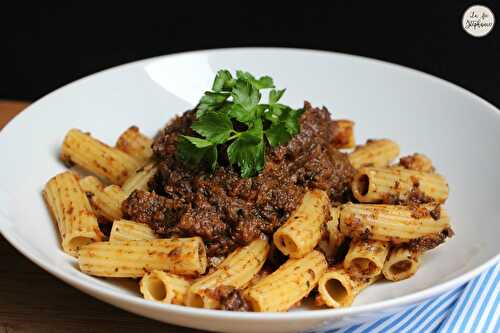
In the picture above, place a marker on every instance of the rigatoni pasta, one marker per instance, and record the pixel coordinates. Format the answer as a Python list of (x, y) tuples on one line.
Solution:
[(94, 156), (334, 238), (343, 135), (376, 153), (366, 258), (337, 288), (302, 231), (235, 271), (140, 180), (107, 201), (396, 224), (373, 184), (185, 256), (124, 230), (76, 221), (290, 283), (164, 287), (401, 264), (135, 144), (417, 162)]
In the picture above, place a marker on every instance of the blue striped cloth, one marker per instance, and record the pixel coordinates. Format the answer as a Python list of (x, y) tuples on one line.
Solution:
[(472, 307)]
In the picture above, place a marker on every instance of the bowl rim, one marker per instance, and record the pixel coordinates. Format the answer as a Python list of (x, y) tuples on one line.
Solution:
[(104, 293)]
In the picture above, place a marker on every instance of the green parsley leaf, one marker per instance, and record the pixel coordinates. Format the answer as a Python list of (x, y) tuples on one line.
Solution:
[(223, 81), (247, 151), (210, 101), (197, 142), (245, 95), (216, 127), (255, 132), (211, 157), (275, 113), (291, 121), (277, 135), (262, 83), (192, 156), (275, 95), (247, 117), (239, 113)]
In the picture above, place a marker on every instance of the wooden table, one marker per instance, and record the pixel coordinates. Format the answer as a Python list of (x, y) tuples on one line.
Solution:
[(32, 300)]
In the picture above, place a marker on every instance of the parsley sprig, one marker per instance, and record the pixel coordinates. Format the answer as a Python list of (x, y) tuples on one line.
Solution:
[(232, 114)]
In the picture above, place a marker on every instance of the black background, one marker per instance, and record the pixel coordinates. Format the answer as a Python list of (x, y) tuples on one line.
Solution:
[(44, 46)]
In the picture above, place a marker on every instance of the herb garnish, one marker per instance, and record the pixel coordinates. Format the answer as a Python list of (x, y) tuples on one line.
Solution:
[(232, 114)]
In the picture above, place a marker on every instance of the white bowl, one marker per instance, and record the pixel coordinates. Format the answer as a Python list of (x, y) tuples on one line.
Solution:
[(458, 130)]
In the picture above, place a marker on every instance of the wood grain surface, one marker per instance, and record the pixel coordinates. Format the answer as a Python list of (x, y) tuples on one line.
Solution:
[(32, 300)]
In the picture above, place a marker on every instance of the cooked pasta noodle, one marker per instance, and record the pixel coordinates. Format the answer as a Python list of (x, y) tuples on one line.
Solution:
[(401, 264), (164, 287), (185, 256), (71, 210), (377, 153), (397, 224), (94, 156), (302, 231), (372, 184), (235, 271), (291, 282)]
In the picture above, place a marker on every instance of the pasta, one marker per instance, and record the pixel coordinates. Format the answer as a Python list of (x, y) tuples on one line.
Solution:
[(124, 230), (366, 258), (94, 156), (164, 287), (185, 256), (140, 180), (291, 282), (343, 136), (331, 245), (71, 210), (302, 231), (401, 264), (235, 271), (376, 153), (135, 144), (107, 201), (372, 184), (397, 224), (336, 288), (417, 162)]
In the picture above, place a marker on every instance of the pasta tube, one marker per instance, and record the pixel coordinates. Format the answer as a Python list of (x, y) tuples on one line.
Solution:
[(336, 288), (124, 230), (401, 264), (397, 224), (334, 239), (377, 153), (366, 258), (94, 156), (235, 271), (290, 283), (164, 287), (343, 134), (185, 256), (417, 162), (71, 210), (140, 180), (135, 144), (106, 200), (302, 232), (373, 184)]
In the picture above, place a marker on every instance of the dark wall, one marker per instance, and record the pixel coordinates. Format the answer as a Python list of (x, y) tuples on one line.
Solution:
[(46, 46)]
